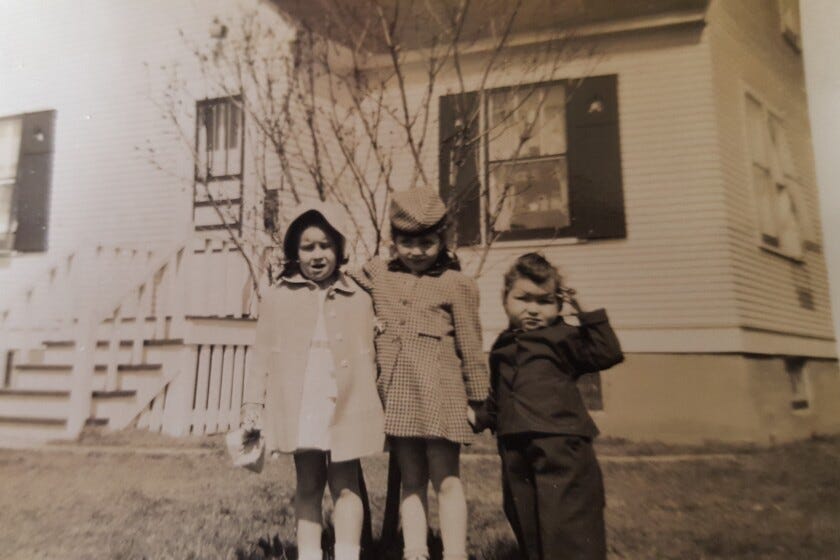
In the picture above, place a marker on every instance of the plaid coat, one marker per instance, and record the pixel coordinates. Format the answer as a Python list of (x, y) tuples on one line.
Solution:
[(431, 361)]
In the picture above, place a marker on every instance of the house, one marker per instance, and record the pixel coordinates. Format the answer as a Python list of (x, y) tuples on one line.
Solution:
[(674, 185)]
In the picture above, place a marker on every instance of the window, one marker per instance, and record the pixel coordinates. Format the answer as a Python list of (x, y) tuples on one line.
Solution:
[(9, 151), (26, 144), (218, 168), (539, 161), (799, 386), (777, 193)]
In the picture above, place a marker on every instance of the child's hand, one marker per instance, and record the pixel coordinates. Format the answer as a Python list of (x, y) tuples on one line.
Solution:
[(471, 419), (250, 416), (569, 295)]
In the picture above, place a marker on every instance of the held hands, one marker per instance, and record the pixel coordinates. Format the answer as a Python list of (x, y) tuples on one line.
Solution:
[(471, 418)]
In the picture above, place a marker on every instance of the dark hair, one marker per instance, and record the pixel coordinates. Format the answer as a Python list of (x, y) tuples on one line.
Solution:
[(291, 242), (536, 268)]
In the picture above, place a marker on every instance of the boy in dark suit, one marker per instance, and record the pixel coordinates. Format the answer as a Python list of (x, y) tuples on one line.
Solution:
[(553, 490)]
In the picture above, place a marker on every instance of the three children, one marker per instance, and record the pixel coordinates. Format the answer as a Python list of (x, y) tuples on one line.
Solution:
[(432, 383)]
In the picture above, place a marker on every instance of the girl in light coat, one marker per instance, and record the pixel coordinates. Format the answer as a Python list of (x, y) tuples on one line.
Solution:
[(311, 387)]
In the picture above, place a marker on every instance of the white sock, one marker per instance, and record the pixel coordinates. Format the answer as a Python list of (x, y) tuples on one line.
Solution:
[(416, 553), (345, 551), (310, 554)]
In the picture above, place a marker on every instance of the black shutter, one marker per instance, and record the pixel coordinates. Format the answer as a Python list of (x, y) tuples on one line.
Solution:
[(458, 125), (596, 197), (32, 191)]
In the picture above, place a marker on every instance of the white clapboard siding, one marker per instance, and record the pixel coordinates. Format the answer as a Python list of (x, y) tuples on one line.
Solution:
[(750, 54), (108, 87)]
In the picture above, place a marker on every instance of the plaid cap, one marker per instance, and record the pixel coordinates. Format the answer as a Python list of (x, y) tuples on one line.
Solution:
[(416, 210)]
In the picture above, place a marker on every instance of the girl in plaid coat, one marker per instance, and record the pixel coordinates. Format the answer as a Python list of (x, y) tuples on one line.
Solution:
[(431, 366)]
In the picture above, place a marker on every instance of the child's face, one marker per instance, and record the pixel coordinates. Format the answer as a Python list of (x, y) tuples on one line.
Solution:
[(531, 306), (317, 254), (418, 253)]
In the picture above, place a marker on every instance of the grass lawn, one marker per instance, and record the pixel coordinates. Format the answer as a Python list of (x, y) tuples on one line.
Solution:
[(778, 503)]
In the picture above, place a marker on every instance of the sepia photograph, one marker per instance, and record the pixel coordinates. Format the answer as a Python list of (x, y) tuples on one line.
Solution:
[(419, 280)]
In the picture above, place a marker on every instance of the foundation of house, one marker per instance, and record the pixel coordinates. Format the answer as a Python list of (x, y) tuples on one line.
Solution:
[(696, 398)]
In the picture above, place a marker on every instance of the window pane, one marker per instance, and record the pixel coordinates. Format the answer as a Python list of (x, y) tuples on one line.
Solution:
[(9, 148), (781, 147), (234, 134), (202, 147), (765, 199), (530, 195), (757, 132), (789, 220), (218, 154), (536, 114), (6, 192), (233, 125)]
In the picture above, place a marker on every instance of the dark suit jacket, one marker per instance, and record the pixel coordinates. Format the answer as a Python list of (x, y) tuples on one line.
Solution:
[(533, 374)]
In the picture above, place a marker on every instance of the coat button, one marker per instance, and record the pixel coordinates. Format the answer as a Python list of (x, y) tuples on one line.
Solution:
[(404, 301), (345, 363)]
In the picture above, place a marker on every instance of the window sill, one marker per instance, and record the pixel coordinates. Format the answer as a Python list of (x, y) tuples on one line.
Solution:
[(779, 253), (536, 243)]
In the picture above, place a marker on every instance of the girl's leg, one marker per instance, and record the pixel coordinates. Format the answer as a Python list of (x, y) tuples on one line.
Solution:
[(411, 456), (311, 470), (444, 470), (348, 514)]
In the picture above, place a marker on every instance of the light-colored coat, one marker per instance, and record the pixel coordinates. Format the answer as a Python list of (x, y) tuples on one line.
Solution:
[(288, 314)]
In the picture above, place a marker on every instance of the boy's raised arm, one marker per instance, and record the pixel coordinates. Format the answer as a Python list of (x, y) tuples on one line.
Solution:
[(595, 347)]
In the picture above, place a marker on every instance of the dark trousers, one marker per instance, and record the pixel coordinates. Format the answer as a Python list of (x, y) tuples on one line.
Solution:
[(554, 496)]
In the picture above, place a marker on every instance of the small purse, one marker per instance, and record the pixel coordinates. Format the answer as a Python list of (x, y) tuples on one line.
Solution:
[(246, 452)]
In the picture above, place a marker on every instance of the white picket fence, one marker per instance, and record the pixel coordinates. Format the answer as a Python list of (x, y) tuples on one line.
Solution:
[(206, 402)]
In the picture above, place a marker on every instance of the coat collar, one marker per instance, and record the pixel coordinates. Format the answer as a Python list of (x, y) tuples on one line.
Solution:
[(552, 333), (342, 283), (446, 261)]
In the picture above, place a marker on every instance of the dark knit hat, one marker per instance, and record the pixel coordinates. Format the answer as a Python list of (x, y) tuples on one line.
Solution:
[(416, 210)]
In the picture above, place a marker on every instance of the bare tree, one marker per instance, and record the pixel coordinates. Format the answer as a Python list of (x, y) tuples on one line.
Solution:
[(344, 107)]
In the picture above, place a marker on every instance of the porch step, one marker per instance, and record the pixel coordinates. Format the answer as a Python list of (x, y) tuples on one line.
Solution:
[(118, 394), (136, 368), (33, 393), (35, 404), (58, 376), (164, 342), (27, 430), (42, 368), (33, 421), (59, 343), (111, 405)]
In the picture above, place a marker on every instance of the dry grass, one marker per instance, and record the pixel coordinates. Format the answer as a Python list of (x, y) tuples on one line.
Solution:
[(778, 503)]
